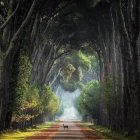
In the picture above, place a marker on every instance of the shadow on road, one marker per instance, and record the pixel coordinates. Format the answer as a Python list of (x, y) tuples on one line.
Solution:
[(57, 132)]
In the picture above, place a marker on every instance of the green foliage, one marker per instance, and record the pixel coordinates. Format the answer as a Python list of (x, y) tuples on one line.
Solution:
[(71, 85), (84, 61), (23, 77), (29, 100), (45, 95), (106, 133), (67, 72), (36, 102), (93, 59), (32, 93), (80, 85), (74, 67), (68, 86), (20, 134), (53, 105), (61, 110), (88, 102), (31, 104), (77, 75), (49, 100)]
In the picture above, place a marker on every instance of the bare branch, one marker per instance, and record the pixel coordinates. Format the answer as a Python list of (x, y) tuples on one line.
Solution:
[(60, 9), (65, 52), (54, 14), (10, 17), (17, 34)]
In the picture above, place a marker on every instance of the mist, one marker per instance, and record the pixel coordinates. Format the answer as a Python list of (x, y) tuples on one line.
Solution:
[(67, 100)]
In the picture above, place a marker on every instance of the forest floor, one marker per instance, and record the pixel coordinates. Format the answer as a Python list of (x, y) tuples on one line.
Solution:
[(55, 131)]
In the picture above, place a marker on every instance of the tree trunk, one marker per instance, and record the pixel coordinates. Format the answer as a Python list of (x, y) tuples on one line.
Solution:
[(4, 92), (1, 94)]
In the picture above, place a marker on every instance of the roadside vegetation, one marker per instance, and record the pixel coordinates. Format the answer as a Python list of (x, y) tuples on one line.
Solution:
[(21, 135), (106, 133)]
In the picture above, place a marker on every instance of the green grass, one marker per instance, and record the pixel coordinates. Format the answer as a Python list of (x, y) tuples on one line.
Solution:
[(21, 135), (106, 133)]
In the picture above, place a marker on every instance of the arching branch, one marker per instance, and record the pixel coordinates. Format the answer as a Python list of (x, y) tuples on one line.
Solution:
[(17, 34), (10, 17)]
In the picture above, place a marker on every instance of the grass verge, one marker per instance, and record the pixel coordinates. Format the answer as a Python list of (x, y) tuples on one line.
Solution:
[(106, 133), (21, 135)]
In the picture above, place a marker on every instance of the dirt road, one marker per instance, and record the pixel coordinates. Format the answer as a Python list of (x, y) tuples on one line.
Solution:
[(74, 132)]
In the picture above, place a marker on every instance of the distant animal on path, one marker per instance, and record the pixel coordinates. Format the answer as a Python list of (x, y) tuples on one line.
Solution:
[(65, 127)]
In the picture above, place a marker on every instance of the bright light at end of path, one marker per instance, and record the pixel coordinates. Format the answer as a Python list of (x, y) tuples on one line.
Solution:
[(67, 99), (70, 114)]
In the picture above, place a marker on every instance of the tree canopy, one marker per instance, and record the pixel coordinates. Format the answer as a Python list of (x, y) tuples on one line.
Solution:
[(36, 36)]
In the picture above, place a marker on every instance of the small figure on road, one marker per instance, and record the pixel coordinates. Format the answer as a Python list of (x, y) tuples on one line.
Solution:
[(65, 127)]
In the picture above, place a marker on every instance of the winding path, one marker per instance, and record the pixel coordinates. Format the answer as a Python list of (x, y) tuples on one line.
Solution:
[(57, 132)]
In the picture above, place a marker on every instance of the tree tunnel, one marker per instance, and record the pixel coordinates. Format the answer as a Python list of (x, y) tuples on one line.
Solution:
[(48, 43)]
